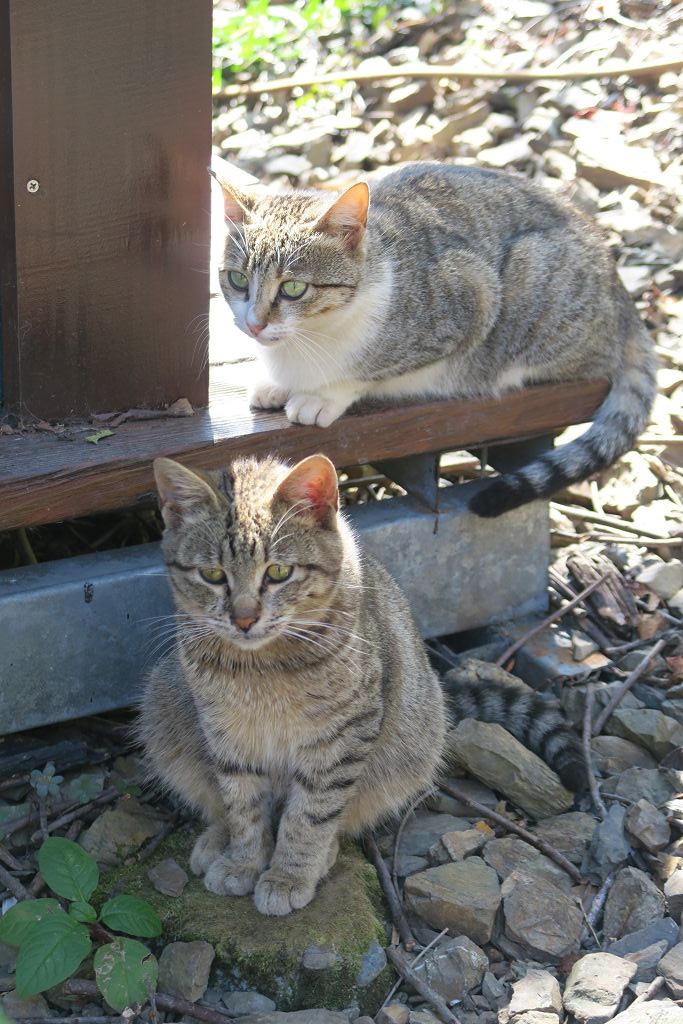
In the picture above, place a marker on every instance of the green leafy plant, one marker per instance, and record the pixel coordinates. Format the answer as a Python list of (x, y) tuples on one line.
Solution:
[(55, 937)]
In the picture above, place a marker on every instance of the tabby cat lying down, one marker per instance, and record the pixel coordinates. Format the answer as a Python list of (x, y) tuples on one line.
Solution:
[(451, 282), (298, 703)]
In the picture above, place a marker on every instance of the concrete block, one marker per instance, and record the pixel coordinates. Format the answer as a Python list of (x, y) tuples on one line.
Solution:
[(76, 636)]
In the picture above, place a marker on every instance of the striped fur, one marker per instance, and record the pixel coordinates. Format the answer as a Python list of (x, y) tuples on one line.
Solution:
[(320, 717), (456, 281), (523, 713)]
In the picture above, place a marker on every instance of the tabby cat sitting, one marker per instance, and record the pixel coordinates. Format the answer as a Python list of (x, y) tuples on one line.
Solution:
[(298, 703)]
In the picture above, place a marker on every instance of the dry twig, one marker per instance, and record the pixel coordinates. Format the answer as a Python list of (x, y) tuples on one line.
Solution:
[(593, 915), (397, 915), (588, 760), (171, 1004), (512, 826), (571, 73), (399, 834), (13, 884), (630, 681), (548, 621), (79, 812), (398, 959), (420, 955), (150, 846)]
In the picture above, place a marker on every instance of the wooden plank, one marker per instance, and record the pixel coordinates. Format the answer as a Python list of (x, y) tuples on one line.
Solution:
[(112, 117), (45, 479)]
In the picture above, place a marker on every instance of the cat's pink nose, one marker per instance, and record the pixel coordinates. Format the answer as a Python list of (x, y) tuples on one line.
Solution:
[(244, 624), (255, 327)]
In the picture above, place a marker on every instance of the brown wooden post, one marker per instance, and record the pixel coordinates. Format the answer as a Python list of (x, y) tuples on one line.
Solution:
[(105, 136)]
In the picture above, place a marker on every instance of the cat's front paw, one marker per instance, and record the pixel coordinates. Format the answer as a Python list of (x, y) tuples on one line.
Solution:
[(266, 395), (314, 410), (230, 877), (277, 894), (208, 847)]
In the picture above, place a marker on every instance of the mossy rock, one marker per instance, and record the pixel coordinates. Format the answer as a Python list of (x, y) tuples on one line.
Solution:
[(266, 954)]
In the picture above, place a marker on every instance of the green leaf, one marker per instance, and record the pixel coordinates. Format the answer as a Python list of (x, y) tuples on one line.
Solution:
[(51, 950), (132, 915), (126, 972), (15, 922), (68, 869), (82, 912), (98, 435)]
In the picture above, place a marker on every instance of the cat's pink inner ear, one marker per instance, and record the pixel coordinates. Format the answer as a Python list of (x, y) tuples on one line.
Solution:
[(311, 487), (348, 215), (180, 490)]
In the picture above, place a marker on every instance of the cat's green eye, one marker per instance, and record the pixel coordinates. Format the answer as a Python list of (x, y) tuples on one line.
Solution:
[(279, 573), (293, 289), (213, 574), (240, 282)]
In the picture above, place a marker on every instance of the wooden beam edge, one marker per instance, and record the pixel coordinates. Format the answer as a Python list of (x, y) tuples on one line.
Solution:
[(122, 479)]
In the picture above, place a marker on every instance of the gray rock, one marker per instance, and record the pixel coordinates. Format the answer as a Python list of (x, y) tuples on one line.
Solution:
[(184, 969), (319, 958), (633, 902), (646, 947), (119, 832), (241, 1003), (542, 918), (422, 1017), (671, 969), (537, 992), (372, 964), (641, 784), (423, 829), (648, 825), (508, 154), (508, 854), (495, 757), (289, 163), (453, 968), (664, 579), (596, 985), (394, 1013), (673, 708), (613, 755), (168, 877), (463, 897), (459, 845), (573, 700), (407, 864), (609, 847), (569, 833), (651, 729), (673, 890), (30, 1006), (307, 1017), (654, 1011), (494, 990)]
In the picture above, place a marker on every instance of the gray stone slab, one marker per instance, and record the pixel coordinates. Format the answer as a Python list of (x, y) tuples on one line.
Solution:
[(76, 636)]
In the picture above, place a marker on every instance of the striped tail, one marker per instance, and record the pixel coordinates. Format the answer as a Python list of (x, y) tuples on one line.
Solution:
[(620, 419), (523, 713)]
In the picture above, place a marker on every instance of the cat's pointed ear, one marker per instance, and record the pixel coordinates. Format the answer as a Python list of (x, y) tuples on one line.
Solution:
[(237, 204), (182, 493), (311, 487), (348, 215)]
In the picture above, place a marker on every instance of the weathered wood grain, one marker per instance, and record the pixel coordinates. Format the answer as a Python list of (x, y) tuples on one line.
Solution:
[(105, 265), (45, 479)]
